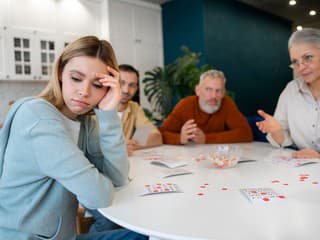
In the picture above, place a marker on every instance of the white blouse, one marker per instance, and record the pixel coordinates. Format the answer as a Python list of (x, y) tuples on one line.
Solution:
[(299, 115)]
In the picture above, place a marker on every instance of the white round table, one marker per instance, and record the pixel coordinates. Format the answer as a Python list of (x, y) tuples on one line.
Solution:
[(213, 213)]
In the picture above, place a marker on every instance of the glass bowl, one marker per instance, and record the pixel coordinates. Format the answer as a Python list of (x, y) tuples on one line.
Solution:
[(225, 156)]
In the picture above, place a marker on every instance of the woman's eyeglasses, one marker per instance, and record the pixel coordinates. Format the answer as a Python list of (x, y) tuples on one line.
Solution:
[(305, 60)]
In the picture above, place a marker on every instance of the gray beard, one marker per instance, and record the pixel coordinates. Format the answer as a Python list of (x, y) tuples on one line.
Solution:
[(209, 109)]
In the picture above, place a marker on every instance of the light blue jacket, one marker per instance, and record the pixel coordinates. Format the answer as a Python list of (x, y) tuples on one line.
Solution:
[(43, 173)]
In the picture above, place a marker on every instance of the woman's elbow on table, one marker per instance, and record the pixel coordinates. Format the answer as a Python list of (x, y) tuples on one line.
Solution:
[(100, 196)]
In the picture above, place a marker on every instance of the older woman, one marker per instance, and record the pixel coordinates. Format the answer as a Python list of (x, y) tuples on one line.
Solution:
[(297, 117)]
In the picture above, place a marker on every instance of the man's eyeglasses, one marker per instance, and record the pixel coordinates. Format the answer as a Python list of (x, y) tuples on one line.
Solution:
[(305, 60)]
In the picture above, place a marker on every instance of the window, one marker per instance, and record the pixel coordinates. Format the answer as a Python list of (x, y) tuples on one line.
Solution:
[(47, 49), (21, 47)]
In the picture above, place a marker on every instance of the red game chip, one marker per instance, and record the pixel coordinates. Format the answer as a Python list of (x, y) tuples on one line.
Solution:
[(281, 196), (266, 199), (200, 194)]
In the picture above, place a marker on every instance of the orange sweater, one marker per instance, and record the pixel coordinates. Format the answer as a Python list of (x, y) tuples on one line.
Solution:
[(227, 125)]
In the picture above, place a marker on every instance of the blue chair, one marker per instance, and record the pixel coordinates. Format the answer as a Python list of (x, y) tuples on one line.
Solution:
[(257, 134)]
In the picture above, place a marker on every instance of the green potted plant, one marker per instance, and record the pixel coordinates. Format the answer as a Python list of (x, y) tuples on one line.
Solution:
[(164, 87)]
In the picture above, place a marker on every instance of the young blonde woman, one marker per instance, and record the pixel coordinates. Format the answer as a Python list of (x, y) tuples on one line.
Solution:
[(52, 153)]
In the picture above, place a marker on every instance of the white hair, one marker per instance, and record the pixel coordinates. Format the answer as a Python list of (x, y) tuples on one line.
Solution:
[(207, 108), (306, 35), (212, 73)]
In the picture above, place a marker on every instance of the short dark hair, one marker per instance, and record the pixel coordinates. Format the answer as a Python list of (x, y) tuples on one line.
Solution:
[(128, 68)]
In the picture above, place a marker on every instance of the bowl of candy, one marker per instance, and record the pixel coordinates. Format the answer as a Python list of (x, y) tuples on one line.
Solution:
[(225, 156)]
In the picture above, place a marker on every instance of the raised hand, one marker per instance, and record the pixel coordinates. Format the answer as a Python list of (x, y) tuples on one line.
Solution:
[(269, 124), (112, 82), (272, 126), (188, 131)]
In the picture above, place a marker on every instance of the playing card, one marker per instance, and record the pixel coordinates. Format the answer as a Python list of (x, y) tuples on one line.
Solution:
[(260, 195), (152, 155), (159, 188), (142, 133), (169, 163), (292, 162), (174, 172)]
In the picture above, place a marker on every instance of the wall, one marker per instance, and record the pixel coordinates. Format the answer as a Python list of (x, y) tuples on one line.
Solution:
[(249, 45), (182, 22), (10, 91)]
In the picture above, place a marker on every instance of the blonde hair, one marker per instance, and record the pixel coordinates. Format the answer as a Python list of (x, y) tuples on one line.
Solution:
[(89, 46)]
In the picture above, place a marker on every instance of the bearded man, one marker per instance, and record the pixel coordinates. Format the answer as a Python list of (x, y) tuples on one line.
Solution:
[(207, 117)]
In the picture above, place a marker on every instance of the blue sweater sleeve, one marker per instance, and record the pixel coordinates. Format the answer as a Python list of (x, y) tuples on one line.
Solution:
[(61, 159), (106, 147)]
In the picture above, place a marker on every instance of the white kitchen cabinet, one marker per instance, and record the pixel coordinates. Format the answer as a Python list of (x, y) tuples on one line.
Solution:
[(32, 15), (136, 36), (3, 64), (78, 18), (33, 33), (4, 6), (19, 47), (30, 55)]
